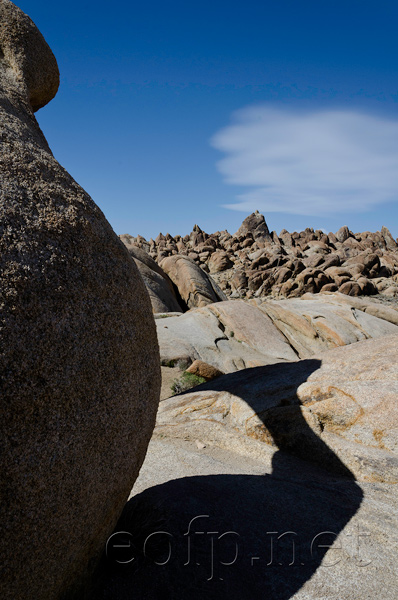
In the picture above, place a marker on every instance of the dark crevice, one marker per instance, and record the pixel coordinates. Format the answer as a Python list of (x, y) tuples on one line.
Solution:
[(219, 339), (180, 301)]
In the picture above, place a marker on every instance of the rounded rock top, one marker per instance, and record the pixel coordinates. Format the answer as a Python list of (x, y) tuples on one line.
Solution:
[(24, 50)]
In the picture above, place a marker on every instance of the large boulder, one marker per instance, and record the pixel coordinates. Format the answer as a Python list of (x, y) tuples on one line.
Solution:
[(29, 71), (195, 287), (343, 234), (79, 359), (202, 369), (158, 284), (219, 261)]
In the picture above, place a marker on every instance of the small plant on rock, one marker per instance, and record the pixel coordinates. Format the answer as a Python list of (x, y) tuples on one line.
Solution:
[(186, 382)]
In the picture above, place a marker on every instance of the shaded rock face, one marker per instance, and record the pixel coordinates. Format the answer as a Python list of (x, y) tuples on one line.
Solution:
[(158, 284), (267, 519), (254, 263), (302, 451), (79, 358)]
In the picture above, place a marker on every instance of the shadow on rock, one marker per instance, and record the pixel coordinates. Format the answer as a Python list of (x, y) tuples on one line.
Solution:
[(238, 536)]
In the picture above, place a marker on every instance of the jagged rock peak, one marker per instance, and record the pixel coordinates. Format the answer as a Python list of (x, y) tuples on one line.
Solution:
[(160, 237), (390, 242), (343, 234), (255, 224)]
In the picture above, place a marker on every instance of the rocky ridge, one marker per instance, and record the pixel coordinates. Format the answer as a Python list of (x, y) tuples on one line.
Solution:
[(255, 263)]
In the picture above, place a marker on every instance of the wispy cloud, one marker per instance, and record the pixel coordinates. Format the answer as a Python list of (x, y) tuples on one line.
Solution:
[(312, 163)]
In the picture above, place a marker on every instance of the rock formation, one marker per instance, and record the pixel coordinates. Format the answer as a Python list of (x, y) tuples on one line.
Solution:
[(304, 444), (79, 358), (254, 263), (237, 334), (347, 400), (194, 286), (158, 284)]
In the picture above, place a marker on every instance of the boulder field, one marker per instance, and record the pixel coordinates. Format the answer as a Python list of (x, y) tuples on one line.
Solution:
[(79, 359), (254, 263)]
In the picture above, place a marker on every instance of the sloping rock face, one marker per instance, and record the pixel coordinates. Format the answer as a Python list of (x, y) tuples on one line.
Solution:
[(196, 288), (271, 519), (370, 306), (337, 409), (79, 358), (316, 322), (256, 263), (206, 334), (237, 334), (158, 284)]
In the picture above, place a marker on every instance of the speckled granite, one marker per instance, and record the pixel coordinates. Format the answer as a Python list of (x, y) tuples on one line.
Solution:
[(79, 360)]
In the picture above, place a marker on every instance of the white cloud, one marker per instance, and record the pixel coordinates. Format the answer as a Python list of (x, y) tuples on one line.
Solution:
[(313, 163)]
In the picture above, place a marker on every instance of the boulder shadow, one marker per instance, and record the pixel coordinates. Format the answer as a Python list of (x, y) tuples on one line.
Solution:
[(238, 536)]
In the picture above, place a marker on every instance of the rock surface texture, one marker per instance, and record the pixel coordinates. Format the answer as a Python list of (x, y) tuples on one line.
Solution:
[(255, 263), (79, 359), (237, 334)]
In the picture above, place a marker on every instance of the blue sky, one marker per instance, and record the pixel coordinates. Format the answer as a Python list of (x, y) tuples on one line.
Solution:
[(176, 113)]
